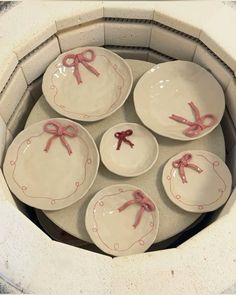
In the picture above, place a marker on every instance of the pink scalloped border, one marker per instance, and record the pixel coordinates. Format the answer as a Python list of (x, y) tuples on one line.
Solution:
[(84, 115), (200, 206), (23, 188), (95, 229)]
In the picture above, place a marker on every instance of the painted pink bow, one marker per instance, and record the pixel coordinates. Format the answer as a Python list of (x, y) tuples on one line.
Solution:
[(144, 202), (57, 130), (183, 163), (121, 136), (82, 58), (195, 127)]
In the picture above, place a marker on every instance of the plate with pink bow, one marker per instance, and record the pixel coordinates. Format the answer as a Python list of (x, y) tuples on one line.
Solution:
[(87, 83), (122, 219), (179, 100), (51, 164), (197, 181)]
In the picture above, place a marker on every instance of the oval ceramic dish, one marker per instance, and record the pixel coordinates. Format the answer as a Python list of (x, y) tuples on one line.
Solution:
[(128, 149), (87, 83), (179, 100), (197, 181), (51, 164), (122, 220)]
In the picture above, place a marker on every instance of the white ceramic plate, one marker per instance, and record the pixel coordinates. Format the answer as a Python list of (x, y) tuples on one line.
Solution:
[(132, 156), (121, 232), (168, 88), (197, 191), (51, 172), (96, 96)]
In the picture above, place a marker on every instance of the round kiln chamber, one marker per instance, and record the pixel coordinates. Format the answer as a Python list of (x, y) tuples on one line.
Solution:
[(152, 31)]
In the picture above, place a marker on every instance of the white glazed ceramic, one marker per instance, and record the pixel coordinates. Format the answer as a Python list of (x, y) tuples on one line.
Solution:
[(52, 179), (96, 97), (167, 89), (203, 192), (129, 161), (112, 230)]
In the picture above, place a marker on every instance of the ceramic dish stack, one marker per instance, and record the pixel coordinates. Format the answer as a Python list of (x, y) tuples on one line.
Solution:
[(123, 205)]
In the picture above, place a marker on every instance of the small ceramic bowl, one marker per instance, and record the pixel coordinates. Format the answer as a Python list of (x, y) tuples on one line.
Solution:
[(197, 181), (122, 220), (128, 149)]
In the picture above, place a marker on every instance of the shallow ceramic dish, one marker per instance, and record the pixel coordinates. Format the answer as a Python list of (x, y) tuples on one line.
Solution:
[(51, 164), (128, 149), (175, 89), (197, 181), (87, 83), (122, 220)]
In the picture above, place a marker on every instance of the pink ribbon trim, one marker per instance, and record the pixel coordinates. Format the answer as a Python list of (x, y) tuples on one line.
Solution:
[(58, 130), (195, 127), (145, 205), (183, 163), (121, 136), (82, 58)]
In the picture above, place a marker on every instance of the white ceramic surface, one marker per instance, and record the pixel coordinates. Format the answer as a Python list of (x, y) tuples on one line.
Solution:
[(167, 89), (51, 179), (97, 96), (202, 192), (129, 161), (113, 230)]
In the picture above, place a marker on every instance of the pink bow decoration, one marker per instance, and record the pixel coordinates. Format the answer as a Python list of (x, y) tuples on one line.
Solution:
[(58, 130), (121, 136), (195, 127), (82, 58), (145, 205), (183, 163)]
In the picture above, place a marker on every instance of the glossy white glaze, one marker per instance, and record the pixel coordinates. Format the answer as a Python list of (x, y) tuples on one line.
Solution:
[(129, 161), (167, 89), (54, 179), (96, 97), (112, 230), (203, 192)]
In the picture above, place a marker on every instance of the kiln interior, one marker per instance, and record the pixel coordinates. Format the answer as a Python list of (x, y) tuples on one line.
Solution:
[(144, 34)]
